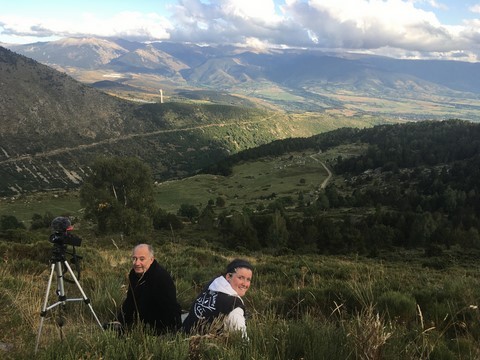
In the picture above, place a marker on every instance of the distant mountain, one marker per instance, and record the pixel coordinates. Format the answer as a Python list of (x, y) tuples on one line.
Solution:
[(148, 59), (86, 53), (291, 79)]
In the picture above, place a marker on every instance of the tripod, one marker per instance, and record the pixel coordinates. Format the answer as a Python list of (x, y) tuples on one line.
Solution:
[(57, 262)]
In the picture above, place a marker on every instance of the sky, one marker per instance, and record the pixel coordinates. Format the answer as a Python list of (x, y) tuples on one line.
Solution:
[(415, 29)]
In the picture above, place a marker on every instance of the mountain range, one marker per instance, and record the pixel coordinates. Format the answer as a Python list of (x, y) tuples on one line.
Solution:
[(288, 79), (181, 107)]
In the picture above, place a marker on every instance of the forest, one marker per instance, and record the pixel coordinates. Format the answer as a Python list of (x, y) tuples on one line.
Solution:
[(415, 185)]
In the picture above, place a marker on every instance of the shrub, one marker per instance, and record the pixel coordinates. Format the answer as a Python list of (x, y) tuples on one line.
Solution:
[(164, 220), (17, 235), (41, 222), (8, 222), (398, 306)]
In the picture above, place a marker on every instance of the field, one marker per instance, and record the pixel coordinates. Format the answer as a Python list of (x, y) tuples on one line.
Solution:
[(246, 187), (249, 185)]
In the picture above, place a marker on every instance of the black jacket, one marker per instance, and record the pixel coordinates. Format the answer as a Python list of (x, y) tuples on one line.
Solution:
[(152, 298)]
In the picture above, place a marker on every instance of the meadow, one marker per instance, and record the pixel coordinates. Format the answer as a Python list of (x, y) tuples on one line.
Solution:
[(249, 185)]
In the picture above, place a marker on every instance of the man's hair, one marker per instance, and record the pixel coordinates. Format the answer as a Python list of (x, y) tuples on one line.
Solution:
[(149, 247)]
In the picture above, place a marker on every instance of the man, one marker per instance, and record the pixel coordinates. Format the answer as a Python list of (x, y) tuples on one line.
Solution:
[(151, 296), (220, 306)]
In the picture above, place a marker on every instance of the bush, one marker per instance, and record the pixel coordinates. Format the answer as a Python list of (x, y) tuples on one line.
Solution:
[(189, 211), (398, 306), (17, 235), (41, 222), (8, 222)]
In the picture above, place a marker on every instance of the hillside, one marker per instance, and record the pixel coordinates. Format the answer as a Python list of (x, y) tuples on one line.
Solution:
[(345, 191), (363, 191), (288, 79), (53, 126)]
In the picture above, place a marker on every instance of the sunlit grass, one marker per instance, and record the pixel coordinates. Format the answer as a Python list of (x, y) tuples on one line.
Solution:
[(310, 307)]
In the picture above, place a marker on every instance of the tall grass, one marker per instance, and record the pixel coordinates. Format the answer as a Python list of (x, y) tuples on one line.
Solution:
[(299, 307)]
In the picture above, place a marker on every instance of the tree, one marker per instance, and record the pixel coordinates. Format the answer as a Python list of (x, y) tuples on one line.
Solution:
[(41, 222), (206, 219), (277, 236), (164, 220), (9, 222), (189, 211), (238, 231), (118, 195)]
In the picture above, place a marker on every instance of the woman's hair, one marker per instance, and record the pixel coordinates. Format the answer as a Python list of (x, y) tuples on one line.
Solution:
[(236, 264)]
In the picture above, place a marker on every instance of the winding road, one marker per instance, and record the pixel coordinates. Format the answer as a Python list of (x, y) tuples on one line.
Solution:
[(326, 181)]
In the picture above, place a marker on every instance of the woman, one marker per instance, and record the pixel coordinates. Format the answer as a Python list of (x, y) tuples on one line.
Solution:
[(220, 306)]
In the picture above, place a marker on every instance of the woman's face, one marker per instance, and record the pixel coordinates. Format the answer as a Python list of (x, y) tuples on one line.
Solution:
[(240, 280)]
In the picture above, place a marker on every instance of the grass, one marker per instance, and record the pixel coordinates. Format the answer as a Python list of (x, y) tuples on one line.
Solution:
[(249, 184), (301, 307), (23, 207), (246, 187)]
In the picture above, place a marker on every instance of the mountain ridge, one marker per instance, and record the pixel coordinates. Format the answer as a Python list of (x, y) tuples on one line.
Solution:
[(297, 80)]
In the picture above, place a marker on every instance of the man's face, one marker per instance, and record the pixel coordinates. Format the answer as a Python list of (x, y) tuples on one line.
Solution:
[(142, 259), (240, 280)]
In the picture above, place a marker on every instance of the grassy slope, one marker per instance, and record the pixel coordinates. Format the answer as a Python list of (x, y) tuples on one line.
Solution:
[(248, 183), (330, 301), (301, 306)]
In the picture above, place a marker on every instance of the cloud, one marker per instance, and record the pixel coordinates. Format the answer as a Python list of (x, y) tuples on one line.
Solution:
[(131, 25), (227, 21), (332, 24), (360, 25), (475, 8), (434, 4)]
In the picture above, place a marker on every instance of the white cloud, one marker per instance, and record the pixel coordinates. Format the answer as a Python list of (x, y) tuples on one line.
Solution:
[(364, 25), (263, 10), (225, 21), (475, 8), (133, 25), (433, 3), (351, 24), (370, 24)]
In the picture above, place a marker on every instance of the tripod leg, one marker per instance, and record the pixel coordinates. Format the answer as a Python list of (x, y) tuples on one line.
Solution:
[(85, 298), (60, 284), (43, 312)]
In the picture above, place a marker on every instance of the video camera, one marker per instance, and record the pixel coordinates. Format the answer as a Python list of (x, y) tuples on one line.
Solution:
[(61, 235)]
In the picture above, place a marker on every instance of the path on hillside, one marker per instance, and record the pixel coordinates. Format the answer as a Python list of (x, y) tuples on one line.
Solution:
[(326, 181), (126, 137)]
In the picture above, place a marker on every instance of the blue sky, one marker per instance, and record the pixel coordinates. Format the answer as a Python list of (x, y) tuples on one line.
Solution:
[(447, 29)]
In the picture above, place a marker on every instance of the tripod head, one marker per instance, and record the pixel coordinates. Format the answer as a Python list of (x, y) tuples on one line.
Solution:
[(61, 238), (61, 235)]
